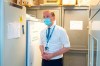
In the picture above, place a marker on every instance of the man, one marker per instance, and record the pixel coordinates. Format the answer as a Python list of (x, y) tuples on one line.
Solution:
[(54, 41)]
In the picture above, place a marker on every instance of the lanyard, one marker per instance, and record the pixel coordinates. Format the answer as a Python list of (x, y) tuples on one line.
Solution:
[(49, 36)]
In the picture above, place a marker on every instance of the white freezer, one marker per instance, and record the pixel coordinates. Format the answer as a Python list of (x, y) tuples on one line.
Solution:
[(33, 55)]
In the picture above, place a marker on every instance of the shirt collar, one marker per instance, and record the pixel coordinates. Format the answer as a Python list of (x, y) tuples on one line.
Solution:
[(55, 22), (53, 25)]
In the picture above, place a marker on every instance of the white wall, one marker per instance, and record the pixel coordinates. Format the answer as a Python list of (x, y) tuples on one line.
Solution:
[(14, 49)]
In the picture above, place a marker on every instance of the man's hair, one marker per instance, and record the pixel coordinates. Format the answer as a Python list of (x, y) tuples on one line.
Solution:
[(48, 11), (53, 14)]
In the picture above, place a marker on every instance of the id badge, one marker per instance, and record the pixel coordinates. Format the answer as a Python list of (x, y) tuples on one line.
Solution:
[(46, 48)]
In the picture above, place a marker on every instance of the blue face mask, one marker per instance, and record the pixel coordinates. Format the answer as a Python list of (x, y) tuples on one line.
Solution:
[(47, 21)]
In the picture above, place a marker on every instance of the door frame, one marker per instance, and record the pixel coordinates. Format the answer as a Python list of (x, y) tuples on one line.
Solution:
[(1, 31)]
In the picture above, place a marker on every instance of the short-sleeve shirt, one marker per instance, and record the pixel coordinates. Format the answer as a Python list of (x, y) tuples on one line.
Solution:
[(58, 40)]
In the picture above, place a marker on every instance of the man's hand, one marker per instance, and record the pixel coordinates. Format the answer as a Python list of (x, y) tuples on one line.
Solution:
[(47, 56), (44, 55)]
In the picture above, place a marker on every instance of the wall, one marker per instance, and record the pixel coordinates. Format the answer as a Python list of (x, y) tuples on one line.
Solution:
[(14, 49)]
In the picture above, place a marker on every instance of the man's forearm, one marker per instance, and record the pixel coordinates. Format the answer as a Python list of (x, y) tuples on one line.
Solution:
[(41, 49), (61, 51)]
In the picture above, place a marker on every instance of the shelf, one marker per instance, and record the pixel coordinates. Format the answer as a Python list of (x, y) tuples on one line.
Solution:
[(78, 51), (16, 5)]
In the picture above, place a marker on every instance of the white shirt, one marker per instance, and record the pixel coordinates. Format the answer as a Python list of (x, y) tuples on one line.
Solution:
[(58, 40)]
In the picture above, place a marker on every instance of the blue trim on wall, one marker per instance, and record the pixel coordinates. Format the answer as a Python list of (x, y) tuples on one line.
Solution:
[(1, 31)]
